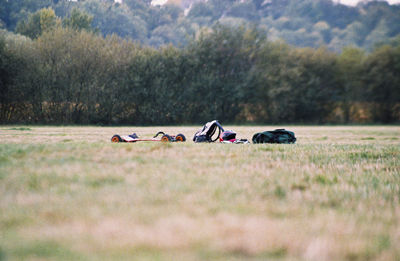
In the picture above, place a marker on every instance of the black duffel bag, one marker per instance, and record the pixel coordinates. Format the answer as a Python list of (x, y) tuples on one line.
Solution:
[(275, 136)]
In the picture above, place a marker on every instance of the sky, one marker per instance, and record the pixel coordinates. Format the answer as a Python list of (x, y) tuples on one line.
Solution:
[(158, 2), (354, 2), (346, 2)]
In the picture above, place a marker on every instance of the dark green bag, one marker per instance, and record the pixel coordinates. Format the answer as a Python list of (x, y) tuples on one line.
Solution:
[(275, 136)]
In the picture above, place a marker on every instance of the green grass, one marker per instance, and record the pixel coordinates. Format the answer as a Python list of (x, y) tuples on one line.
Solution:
[(68, 193), (20, 128)]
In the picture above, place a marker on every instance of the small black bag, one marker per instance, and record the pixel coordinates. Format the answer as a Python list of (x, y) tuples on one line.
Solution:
[(275, 136)]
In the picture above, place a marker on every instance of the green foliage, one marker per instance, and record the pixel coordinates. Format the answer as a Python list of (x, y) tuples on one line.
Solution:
[(12, 12), (350, 63), (21, 129), (30, 28), (79, 20), (2, 254), (47, 19), (201, 9), (383, 80), (230, 73), (303, 23), (41, 21), (15, 54)]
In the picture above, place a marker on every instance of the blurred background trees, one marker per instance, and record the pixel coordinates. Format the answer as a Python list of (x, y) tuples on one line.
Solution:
[(303, 23), (104, 62)]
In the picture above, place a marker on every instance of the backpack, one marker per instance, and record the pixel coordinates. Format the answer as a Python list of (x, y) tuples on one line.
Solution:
[(275, 136), (206, 133)]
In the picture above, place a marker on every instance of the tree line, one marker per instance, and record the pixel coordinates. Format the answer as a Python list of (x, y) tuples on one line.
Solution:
[(303, 23), (69, 75)]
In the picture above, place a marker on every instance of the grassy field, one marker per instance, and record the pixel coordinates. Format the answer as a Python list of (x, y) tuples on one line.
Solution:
[(68, 193)]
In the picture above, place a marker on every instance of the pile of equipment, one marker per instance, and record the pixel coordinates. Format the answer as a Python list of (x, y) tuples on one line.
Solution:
[(212, 132), (207, 134)]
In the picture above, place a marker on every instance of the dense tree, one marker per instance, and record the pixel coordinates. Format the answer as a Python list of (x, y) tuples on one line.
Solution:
[(17, 78), (382, 78), (201, 9), (350, 67), (270, 100), (246, 10), (11, 12), (222, 60), (6, 76), (41, 21), (79, 20), (303, 23), (230, 73), (315, 85)]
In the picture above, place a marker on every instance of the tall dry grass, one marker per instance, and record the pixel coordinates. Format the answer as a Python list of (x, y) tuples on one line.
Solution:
[(68, 193)]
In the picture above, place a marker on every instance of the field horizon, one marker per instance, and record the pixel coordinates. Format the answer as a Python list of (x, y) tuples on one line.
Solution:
[(68, 193)]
